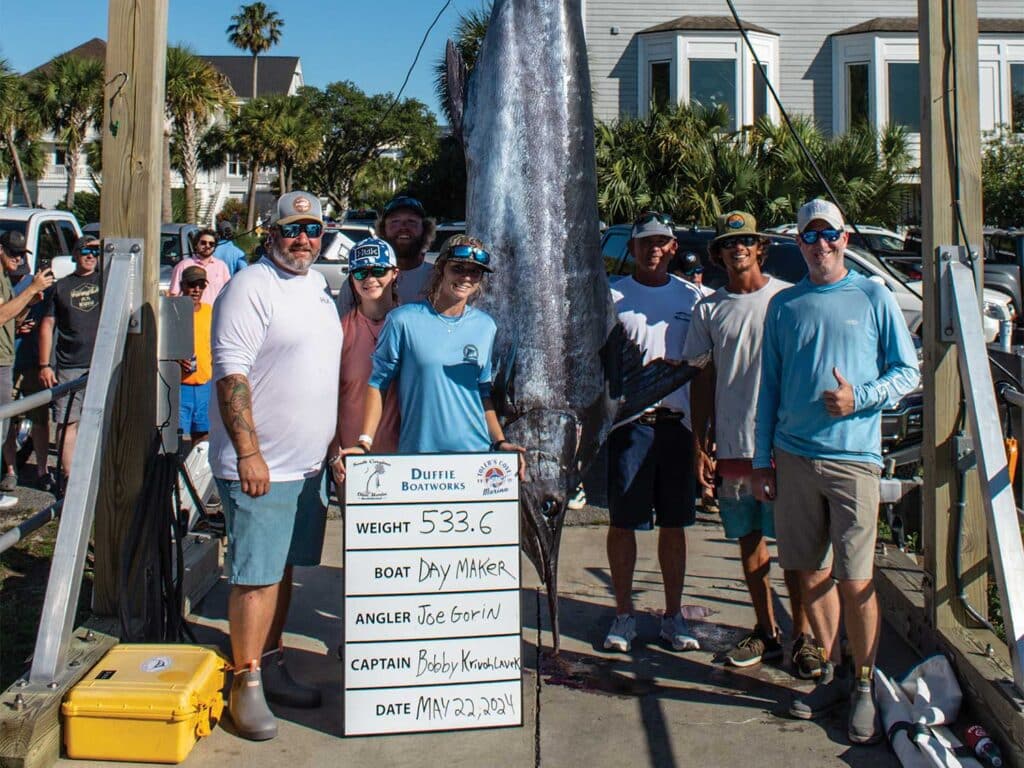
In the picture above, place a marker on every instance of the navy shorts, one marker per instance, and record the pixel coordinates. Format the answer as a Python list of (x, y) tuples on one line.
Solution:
[(650, 476)]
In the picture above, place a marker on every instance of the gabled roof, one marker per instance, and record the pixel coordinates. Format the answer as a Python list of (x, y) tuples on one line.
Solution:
[(275, 73), (90, 49), (705, 24), (908, 24)]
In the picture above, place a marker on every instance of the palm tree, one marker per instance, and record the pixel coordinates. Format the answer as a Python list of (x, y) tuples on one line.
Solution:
[(247, 137), (469, 36), (255, 29), (18, 126), (69, 96), (294, 135), (194, 94)]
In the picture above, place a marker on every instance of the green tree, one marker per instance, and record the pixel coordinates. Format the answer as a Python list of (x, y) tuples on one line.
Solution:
[(1002, 179), (357, 129), (195, 93), (469, 36), (255, 28), (441, 183), (19, 131), (68, 93), (294, 135), (246, 136)]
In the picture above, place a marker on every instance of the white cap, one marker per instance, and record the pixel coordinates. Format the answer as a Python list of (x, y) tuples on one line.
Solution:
[(819, 209)]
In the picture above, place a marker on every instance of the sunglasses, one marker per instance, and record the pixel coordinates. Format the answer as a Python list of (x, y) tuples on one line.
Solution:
[(648, 216), (89, 250), (405, 202), (312, 229), (362, 273), (811, 236), (197, 284), (209, 243), (470, 253), (733, 242)]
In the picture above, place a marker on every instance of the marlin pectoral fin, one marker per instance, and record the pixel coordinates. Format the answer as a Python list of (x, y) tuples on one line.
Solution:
[(640, 385), (503, 390), (455, 74)]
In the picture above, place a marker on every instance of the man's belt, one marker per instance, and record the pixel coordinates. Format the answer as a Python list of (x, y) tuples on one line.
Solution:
[(659, 416)]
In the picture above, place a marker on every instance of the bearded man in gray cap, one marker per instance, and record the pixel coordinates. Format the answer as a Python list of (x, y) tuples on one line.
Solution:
[(276, 345)]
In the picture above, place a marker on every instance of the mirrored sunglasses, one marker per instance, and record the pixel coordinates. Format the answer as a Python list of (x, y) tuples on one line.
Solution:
[(89, 250), (404, 202), (364, 272), (648, 216), (470, 253), (811, 236), (311, 228), (734, 242)]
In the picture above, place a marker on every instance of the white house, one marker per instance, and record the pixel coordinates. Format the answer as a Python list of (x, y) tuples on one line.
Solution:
[(277, 75)]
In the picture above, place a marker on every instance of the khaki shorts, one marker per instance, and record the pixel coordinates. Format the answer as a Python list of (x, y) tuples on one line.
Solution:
[(824, 507)]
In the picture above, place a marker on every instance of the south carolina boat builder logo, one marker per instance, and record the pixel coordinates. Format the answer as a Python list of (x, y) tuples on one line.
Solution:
[(495, 475), (371, 473)]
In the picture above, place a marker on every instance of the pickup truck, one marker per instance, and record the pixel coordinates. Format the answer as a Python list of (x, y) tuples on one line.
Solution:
[(50, 236)]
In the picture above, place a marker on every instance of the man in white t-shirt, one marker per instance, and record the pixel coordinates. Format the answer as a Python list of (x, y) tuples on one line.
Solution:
[(406, 228), (276, 344), (725, 340), (650, 480)]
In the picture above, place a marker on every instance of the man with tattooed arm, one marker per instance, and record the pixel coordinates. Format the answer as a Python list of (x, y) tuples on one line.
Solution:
[(276, 344)]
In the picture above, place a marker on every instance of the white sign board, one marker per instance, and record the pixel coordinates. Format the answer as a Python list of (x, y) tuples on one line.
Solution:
[(432, 612)]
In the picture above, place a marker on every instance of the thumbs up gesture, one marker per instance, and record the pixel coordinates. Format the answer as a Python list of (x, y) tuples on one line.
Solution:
[(839, 401)]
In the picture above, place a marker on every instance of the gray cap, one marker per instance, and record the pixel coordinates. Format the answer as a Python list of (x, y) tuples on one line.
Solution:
[(297, 206), (14, 242), (650, 228), (819, 209)]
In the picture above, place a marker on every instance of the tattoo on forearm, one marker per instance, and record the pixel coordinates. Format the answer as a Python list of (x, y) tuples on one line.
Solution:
[(234, 398)]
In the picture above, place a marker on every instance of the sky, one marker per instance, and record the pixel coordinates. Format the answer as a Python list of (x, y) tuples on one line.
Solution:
[(370, 42)]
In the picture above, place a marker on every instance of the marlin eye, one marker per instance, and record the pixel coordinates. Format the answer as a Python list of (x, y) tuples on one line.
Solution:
[(549, 507)]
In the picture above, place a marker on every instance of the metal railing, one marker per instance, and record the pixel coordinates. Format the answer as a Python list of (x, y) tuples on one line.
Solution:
[(119, 313), (1005, 544)]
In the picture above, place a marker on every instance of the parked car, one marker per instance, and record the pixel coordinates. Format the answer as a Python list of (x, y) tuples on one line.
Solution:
[(49, 235), (332, 262), (444, 230), (870, 237)]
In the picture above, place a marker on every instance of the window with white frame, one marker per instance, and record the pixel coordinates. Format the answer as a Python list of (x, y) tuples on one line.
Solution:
[(236, 166), (858, 93), (905, 95), (713, 68), (1017, 97)]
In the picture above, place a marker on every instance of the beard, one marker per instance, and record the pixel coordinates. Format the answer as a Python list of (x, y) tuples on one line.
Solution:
[(297, 260), (407, 251)]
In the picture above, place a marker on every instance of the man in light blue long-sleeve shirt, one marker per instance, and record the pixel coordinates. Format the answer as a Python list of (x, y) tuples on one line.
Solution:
[(836, 352)]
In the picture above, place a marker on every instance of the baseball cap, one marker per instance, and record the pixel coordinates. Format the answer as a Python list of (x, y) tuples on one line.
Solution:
[(371, 252), (297, 206), (192, 274), (404, 201), (83, 241), (688, 263), (224, 229), (467, 249), (650, 224), (14, 242), (734, 223), (819, 209)]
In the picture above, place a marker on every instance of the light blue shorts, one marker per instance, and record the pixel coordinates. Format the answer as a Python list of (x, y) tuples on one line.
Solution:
[(741, 513), (265, 534)]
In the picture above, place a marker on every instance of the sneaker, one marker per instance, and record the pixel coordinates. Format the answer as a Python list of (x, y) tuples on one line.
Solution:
[(578, 500), (676, 632), (6, 502), (832, 690), (754, 648), (620, 636), (807, 658), (864, 727), (9, 482)]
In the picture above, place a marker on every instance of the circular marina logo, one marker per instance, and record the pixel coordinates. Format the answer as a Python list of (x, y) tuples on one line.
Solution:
[(494, 475), (302, 205), (736, 221)]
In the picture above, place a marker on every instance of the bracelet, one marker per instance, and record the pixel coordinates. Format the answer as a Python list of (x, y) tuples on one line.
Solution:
[(368, 439), (363, 445), (44, 365), (496, 445), (248, 455)]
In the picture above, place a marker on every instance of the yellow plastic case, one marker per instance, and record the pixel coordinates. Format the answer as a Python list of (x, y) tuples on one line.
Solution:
[(145, 703)]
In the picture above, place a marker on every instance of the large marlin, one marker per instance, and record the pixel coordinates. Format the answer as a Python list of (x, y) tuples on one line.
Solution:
[(565, 372)]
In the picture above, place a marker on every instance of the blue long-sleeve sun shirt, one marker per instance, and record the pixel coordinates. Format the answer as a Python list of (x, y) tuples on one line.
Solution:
[(853, 325)]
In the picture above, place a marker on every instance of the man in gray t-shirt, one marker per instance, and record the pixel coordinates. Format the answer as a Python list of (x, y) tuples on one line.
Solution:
[(725, 340)]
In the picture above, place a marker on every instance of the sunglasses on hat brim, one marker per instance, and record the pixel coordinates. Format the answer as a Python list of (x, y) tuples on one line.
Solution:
[(649, 216), (811, 236), (470, 253)]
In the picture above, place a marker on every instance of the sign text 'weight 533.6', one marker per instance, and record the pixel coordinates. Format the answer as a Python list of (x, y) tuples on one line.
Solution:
[(432, 613)]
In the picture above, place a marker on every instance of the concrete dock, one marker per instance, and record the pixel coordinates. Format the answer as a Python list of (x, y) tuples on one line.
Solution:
[(588, 707)]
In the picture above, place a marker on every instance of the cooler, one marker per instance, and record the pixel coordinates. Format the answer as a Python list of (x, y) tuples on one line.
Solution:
[(145, 703)]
